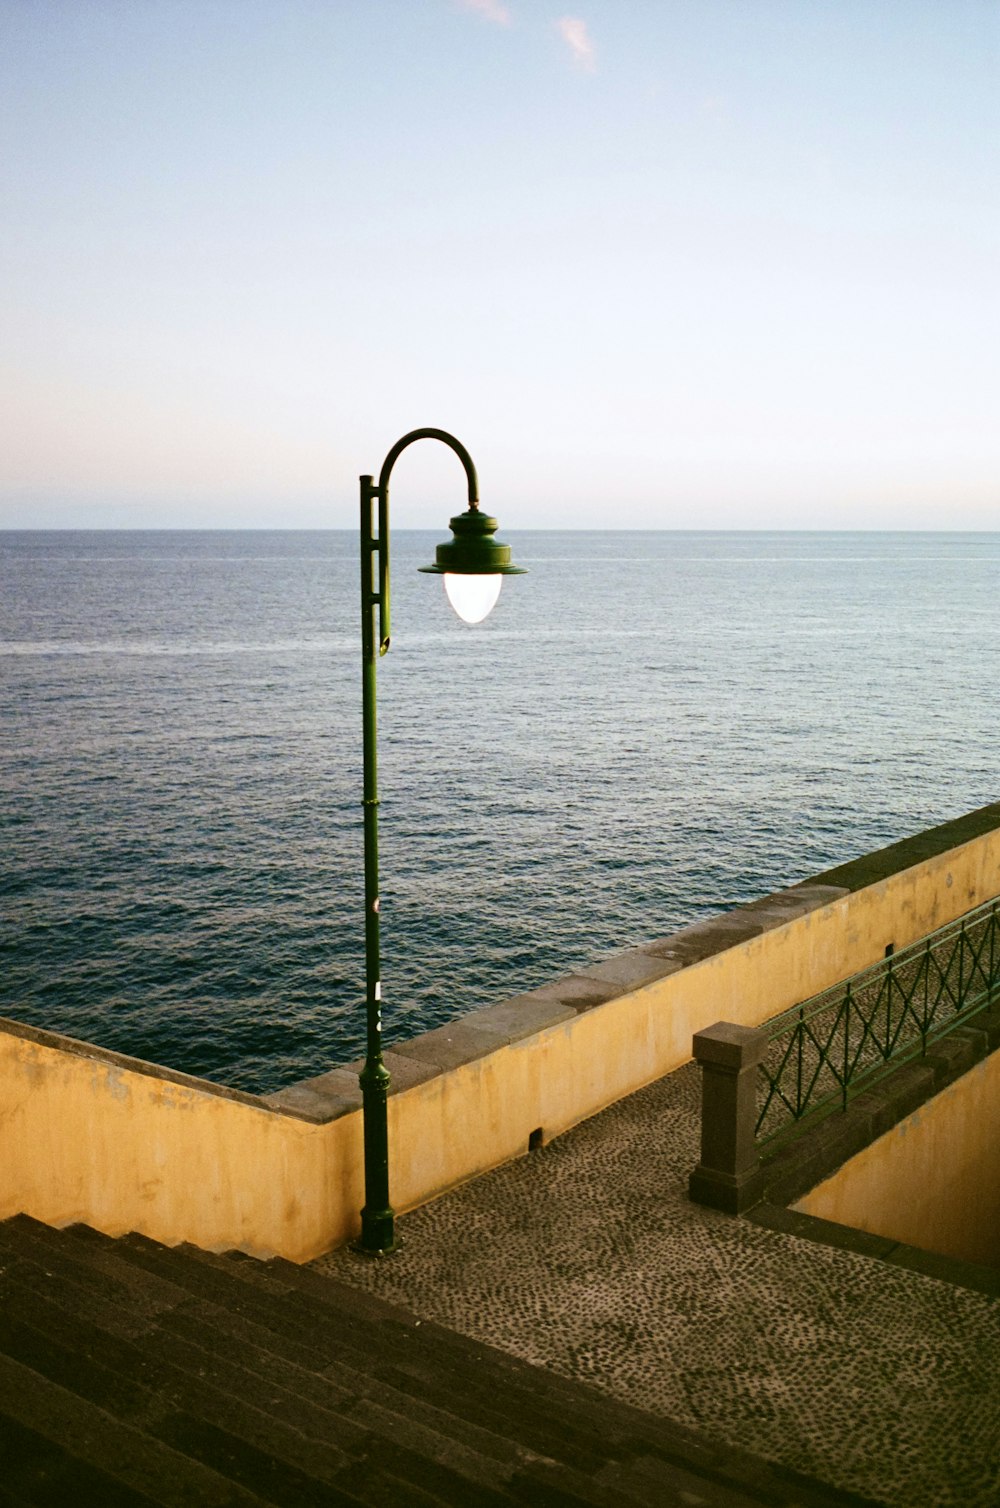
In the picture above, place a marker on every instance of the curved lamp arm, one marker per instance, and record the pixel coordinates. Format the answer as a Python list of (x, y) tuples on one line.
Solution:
[(383, 513), (430, 434)]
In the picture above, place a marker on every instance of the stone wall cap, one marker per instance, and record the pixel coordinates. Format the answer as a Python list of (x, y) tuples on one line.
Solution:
[(452, 1045), (330, 1095), (475, 1036), (859, 873), (716, 934), (783, 906), (521, 1016), (325, 1098), (705, 938), (576, 990), (632, 970), (727, 1045)]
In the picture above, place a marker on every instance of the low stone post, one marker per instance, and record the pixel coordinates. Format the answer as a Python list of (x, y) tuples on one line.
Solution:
[(729, 1176)]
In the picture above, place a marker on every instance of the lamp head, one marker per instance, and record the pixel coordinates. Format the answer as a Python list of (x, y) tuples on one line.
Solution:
[(473, 564)]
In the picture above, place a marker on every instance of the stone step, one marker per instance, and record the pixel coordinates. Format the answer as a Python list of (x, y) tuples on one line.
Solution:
[(433, 1448), (291, 1317), (418, 1357), (195, 1342), (79, 1432), (254, 1429), (168, 1404), (41, 1471), (506, 1465), (415, 1358), (436, 1435)]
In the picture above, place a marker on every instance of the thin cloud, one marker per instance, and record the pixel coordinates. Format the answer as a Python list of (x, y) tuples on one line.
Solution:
[(490, 10), (574, 33)]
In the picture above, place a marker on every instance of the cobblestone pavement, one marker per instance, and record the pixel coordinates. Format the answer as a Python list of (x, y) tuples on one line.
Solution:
[(586, 1257)]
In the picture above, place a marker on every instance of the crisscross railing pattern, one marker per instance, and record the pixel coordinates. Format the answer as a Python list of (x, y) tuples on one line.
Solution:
[(822, 1052)]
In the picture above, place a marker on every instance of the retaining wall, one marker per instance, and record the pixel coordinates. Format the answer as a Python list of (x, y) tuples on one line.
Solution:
[(931, 1181)]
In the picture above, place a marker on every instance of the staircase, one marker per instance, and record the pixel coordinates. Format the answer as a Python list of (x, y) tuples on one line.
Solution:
[(133, 1373)]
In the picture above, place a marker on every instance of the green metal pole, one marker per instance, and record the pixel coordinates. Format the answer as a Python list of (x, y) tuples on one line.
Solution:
[(378, 1222), (377, 1219)]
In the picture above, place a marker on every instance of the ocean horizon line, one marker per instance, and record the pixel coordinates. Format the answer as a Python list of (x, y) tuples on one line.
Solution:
[(514, 528)]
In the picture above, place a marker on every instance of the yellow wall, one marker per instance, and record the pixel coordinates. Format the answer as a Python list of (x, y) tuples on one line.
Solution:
[(933, 1181), (86, 1138), (88, 1135)]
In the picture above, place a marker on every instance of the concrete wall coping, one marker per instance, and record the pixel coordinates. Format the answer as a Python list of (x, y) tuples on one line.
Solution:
[(909, 852)]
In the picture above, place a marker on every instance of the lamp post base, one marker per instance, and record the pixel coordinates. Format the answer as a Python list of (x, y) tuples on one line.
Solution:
[(378, 1234)]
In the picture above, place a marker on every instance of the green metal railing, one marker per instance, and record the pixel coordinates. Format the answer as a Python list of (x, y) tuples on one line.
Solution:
[(830, 1048)]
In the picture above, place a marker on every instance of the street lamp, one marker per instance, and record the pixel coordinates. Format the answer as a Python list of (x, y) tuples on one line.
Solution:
[(473, 565)]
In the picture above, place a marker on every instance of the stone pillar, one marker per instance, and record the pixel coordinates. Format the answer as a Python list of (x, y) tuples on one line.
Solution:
[(729, 1176)]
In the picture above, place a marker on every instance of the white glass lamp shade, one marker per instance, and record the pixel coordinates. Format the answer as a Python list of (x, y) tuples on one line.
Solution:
[(473, 597)]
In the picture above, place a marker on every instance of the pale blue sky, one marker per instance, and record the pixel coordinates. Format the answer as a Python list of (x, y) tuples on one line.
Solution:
[(658, 263)]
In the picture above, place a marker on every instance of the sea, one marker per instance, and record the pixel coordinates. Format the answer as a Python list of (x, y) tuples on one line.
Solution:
[(651, 728)]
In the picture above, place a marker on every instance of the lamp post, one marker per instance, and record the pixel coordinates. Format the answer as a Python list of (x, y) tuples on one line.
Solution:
[(473, 565)]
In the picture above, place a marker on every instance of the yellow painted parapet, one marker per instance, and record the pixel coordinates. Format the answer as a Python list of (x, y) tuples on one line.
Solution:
[(931, 1181), (124, 1145)]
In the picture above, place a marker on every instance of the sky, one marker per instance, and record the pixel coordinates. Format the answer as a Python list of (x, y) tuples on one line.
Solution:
[(656, 263)]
